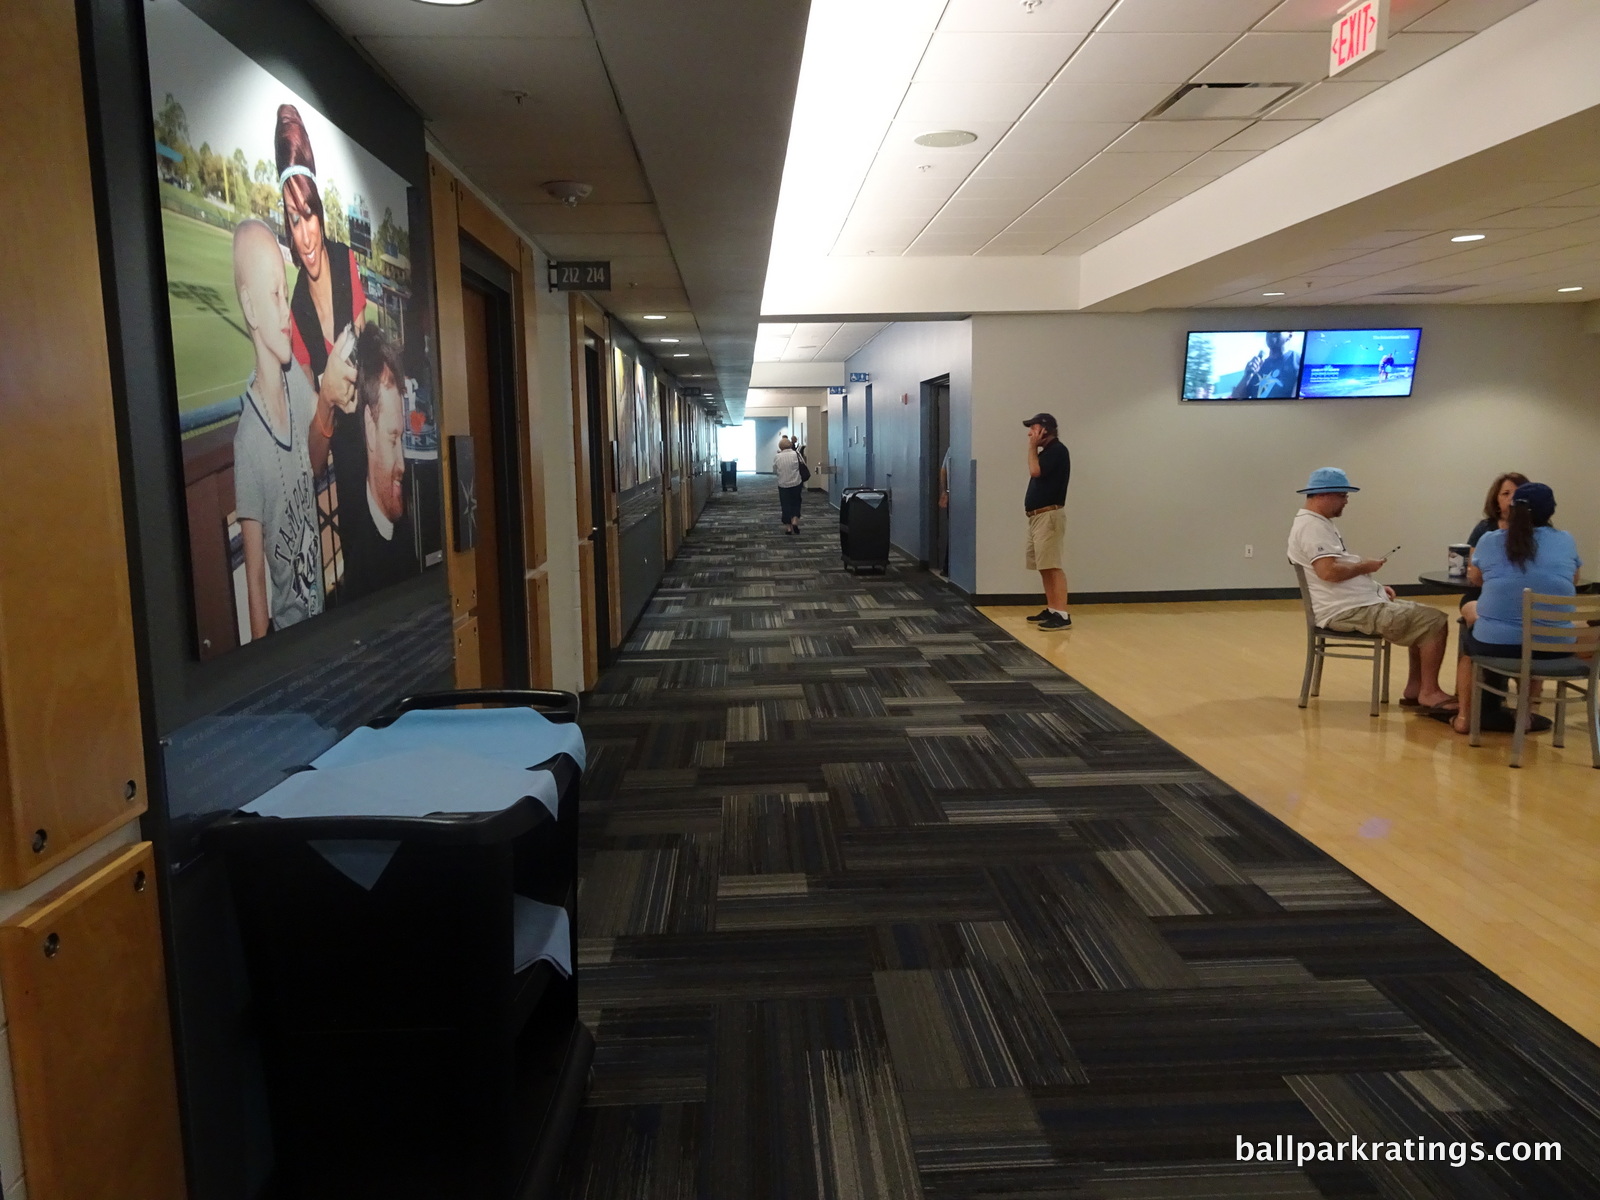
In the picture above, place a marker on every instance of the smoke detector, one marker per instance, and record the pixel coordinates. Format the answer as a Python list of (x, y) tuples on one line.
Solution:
[(568, 191)]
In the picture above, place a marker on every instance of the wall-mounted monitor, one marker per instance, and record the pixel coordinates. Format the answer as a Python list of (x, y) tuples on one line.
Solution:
[(1254, 365), (1359, 362)]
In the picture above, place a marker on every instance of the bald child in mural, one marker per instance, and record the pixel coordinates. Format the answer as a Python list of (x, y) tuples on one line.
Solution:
[(275, 492)]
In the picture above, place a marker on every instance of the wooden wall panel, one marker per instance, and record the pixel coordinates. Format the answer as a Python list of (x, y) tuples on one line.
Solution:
[(541, 671), (469, 656), (71, 756), (479, 223), (91, 1041), (460, 565), (480, 422), (533, 444)]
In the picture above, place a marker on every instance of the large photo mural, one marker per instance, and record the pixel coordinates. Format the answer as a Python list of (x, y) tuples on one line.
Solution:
[(305, 405)]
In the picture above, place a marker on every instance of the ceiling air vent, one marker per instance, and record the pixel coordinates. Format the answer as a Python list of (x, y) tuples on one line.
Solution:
[(1426, 289), (1208, 101)]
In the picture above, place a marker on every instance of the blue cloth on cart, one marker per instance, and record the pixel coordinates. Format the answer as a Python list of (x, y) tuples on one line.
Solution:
[(416, 783), (540, 931), (519, 737)]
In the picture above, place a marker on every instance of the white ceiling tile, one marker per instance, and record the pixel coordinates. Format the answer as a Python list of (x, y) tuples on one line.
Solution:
[(1319, 15), (1017, 244), (889, 187), (885, 230), (982, 228), (956, 103), (1000, 58), (1322, 101), (850, 337), (1125, 102), (1052, 16), (1149, 167), (1539, 217), (1068, 139), (1264, 135), (1467, 16), (1271, 58), (1197, 136), (1218, 162), (1405, 52), (1143, 57), (1185, 16), (1580, 198), (1025, 191), (1175, 187), (1029, 165), (946, 244)]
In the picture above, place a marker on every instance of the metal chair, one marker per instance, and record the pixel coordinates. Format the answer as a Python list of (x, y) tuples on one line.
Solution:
[(1362, 646), (1549, 624)]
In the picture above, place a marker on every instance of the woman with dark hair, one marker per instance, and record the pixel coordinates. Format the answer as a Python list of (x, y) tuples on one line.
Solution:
[(329, 305), (1497, 504), (1529, 552)]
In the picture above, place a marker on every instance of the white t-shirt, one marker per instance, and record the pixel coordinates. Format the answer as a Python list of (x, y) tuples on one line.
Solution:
[(1313, 536), (786, 466)]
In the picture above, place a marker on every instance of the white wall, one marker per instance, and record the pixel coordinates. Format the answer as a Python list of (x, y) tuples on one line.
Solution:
[(552, 392), (1166, 495)]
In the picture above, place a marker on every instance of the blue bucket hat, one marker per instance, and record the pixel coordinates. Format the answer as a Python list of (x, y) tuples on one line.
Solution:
[(1327, 479)]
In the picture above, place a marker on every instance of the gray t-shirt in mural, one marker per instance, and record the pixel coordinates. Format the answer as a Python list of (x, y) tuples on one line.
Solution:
[(273, 485)]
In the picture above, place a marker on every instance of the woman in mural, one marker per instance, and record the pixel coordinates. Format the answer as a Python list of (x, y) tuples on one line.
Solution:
[(328, 305)]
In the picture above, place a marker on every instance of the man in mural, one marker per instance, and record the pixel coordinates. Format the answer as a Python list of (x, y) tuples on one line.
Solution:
[(275, 497), (379, 548)]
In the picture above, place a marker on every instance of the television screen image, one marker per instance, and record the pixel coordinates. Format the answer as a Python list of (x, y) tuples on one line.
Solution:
[(1255, 365), (1359, 362)]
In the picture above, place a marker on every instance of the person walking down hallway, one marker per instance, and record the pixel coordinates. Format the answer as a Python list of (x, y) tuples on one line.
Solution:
[(1049, 469), (786, 466)]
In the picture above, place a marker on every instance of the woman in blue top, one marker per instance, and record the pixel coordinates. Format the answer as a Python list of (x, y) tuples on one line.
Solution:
[(1528, 553)]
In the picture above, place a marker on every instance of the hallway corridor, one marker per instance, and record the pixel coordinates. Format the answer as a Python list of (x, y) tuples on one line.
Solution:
[(877, 903)]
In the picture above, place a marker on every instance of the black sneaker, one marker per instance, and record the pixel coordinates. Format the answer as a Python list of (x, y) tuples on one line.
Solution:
[(1055, 621), (1040, 615)]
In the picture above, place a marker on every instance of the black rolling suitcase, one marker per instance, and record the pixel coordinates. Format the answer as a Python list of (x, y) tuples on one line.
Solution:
[(730, 475), (864, 529)]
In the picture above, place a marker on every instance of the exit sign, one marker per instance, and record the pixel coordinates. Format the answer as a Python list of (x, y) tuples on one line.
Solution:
[(1361, 31)]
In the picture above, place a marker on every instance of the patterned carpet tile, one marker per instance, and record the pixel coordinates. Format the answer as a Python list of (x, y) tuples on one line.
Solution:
[(878, 905)]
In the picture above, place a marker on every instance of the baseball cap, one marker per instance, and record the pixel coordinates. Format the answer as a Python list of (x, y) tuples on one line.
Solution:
[(1327, 479), (1044, 419), (1538, 497)]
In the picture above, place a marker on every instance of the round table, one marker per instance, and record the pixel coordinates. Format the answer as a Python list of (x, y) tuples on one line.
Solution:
[(1446, 582)]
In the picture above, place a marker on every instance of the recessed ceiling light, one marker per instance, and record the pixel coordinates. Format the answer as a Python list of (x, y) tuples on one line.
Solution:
[(1469, 237), (685, 354), (647, 316), (668, 341), (1274, 293), (449, 3), (943, 139), (1570, 289)]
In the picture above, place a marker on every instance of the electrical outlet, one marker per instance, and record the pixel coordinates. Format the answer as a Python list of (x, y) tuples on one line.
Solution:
[(1249, 551)]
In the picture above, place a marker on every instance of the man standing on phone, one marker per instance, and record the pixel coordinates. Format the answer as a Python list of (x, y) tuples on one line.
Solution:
[(1049, 469), (1346, 597)]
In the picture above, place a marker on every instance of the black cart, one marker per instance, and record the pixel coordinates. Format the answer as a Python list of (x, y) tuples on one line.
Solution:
[(416, 1045), (730, 475), (864, 529)]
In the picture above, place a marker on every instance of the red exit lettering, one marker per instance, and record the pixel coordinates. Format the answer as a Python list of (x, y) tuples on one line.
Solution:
[(1353, 35)]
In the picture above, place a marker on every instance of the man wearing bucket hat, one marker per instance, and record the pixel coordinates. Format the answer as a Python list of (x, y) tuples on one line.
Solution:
[(1346, 597)]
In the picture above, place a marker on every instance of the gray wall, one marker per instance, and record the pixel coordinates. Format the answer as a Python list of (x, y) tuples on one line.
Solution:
[(899, 360), (767, 431), (1166, 495)]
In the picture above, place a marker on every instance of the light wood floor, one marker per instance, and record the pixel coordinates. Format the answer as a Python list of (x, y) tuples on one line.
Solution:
[(1504, 863)]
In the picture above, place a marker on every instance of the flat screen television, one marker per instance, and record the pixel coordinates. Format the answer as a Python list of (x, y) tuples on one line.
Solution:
[(1358, 362), (1254, 365)]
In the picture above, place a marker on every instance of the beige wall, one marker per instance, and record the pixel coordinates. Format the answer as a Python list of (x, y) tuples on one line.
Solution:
[(1166, 495)]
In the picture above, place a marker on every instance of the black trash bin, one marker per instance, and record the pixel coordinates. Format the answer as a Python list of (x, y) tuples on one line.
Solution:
[(408, 911), (864, 528), (730, 475)]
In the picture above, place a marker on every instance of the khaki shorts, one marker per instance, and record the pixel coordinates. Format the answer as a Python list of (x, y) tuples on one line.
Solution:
[(1403, 622), (1046, 531)]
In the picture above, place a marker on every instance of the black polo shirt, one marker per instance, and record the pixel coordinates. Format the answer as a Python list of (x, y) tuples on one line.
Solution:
[(1050, 485)]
